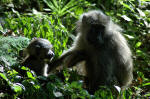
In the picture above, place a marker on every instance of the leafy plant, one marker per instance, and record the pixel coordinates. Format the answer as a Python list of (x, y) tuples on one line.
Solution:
[(61, 8), (59, 27), (42, 27), (10, 47)]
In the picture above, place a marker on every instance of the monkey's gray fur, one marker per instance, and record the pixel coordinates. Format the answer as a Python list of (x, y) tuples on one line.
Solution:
[(105, 51), (38, 53)]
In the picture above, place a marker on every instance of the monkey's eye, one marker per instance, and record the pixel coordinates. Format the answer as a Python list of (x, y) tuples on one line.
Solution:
[(98, 27), (101, 26)]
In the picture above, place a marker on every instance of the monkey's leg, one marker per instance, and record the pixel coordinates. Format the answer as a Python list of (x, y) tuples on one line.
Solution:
[(125, 76), (70, 57)]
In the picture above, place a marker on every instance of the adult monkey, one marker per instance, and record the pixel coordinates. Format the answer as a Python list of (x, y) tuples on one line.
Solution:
[(105, 51)]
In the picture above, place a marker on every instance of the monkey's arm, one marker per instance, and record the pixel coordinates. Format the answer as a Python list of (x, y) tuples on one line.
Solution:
[(70, 58)]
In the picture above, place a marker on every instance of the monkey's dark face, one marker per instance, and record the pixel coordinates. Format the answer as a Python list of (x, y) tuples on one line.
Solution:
[(93, 27), (94, 31), (95, 35), (45, 54), (40, 49)]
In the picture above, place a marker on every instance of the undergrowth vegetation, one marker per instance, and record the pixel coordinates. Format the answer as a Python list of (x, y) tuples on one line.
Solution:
[(55, 20)]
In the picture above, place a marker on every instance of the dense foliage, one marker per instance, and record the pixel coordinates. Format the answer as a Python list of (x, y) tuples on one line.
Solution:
[(22, 20)]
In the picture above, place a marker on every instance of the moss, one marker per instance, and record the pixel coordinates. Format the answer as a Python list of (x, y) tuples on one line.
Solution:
[(10, 46)]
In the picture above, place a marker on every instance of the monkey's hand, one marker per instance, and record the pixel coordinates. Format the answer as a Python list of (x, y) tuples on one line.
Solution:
[(54, 64), (69, 59)]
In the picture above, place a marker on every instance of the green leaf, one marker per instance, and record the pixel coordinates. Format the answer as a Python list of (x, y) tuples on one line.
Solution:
[(50, 4), (145, 0), (129, 36), (140, 12), (138, 44), (24, 68), (126, 6), (147, 95), (37, 86), (16, 88), (3, 76), (29, 74), (146, 84), (76, 84), (126, 18), (139, 51), (58, 94)]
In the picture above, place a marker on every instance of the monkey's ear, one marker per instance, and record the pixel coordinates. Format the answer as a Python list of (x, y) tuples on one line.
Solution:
[(84, 19)]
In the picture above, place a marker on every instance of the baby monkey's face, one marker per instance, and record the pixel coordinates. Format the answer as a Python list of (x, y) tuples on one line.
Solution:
[(41, 49), (46, 54)]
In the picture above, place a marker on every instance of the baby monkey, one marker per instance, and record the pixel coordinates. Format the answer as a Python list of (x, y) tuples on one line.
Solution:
[(38, 54)]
